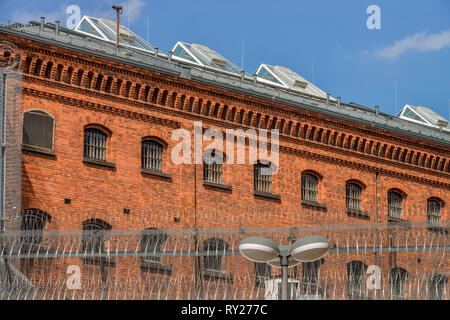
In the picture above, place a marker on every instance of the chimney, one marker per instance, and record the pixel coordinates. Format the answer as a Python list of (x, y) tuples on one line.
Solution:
[(254, 78), (57, 28), (170, 55), (42, 23), (377, 110), (242, 75), (328, 98), (156, 52), (338, 101)]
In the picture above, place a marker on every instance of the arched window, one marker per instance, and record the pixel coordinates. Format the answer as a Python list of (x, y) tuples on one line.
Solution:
[(94, 236), (38, 127), (262, 180), (353, 196), (356, 271), (152, 243), (263, 271), (214, 248), (212, 172), (32, 226), (434, 207), (95, 144), (438, 282), (398, 277), (310, 187), (395, 204), (151, 155), (310, 277)]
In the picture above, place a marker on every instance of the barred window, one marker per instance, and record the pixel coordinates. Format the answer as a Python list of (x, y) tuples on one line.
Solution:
[(395, 200), (151, 155), (213, 172), (263, 271), (437, 284), (38, 129), (32, 225), (398, 278), (309, 187), (263, 182), (153, 241), (94, 232), (354, 192), (434, 212), (356, 271), (214, 252), (310, 277), (95, 144)]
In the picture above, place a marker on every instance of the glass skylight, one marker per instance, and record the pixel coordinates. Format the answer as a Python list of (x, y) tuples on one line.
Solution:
[(203, 56), (106, 29), (265, 74), (412, 115)]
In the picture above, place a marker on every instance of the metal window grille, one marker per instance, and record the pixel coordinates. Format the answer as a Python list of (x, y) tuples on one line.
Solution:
[(434, 212), (310, 277), (262, 181), (33, 222), (94, 236), (395, 205), (153, 241), (356, 278), (437, 285), (214, 252), (212, 172), (95, 144), (309, 187), (151, 155), (354, 196), (397, 280), (263, 271), (38, 129)]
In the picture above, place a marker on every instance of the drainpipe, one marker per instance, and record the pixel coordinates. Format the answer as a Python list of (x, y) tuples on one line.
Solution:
[(376, 214)]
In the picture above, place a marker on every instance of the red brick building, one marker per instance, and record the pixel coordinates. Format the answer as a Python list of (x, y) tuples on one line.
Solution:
[(97, 145)]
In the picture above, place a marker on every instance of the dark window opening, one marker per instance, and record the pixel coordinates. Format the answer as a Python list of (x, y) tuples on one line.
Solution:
[(95, 144), (38, 129)]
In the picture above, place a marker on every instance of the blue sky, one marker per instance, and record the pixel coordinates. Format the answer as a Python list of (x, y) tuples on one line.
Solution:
[(411, 51)]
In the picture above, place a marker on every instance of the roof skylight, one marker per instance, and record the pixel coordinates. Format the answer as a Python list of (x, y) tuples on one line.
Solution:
[(203, 56), (106, 29)]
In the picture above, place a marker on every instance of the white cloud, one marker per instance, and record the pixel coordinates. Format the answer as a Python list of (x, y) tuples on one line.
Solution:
[(420, 41)]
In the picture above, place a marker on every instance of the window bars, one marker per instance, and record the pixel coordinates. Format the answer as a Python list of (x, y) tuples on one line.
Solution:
[(434, 212), (95, 144), (356, 277), (263, 271), (437, 285), (33, 222), (398, 278), (309, 187), (214, 249), (263, 182), (353, 196), (94, 236), (310, 277), (212, 172), (395, 205), (153, 241), (151, 155)]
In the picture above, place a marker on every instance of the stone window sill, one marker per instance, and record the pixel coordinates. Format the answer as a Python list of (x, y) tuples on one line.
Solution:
[(107, 262), (314, 204), (216, 185), (156, 173), (154, 266), (45, 151), (99, 162), (217, 275), (358, 213), (399, 222), (267, 195), (438, 229)]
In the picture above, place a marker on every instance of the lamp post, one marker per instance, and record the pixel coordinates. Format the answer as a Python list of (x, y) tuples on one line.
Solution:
[(263, 250)]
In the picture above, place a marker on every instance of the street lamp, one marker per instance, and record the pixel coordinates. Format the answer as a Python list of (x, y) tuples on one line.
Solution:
[(259, 249)]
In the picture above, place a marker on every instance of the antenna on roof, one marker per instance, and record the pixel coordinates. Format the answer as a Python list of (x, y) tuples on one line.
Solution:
[(148, 27), (396, 104), (119, 11), (313, 75), (242, 54)]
